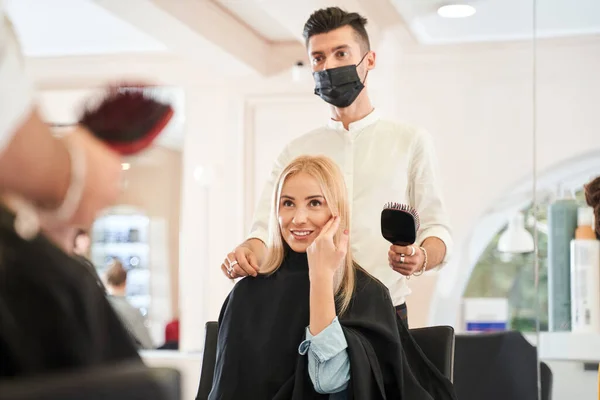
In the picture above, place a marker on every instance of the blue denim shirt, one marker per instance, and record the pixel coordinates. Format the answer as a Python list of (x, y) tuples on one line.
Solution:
[(328, 362)]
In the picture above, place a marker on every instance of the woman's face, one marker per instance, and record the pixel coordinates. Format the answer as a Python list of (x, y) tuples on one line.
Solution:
[(303, 211)]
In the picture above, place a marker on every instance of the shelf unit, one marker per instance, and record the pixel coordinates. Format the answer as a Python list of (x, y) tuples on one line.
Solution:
[(569, 346)]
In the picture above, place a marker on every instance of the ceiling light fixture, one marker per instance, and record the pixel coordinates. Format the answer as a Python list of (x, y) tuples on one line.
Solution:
[(125, 166), (456, 11), (297, 70)]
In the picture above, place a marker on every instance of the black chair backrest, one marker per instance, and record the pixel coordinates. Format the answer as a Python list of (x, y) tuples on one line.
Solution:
[(115, 382), (546, 381), (437, 343), (209, 358), (498, 366)]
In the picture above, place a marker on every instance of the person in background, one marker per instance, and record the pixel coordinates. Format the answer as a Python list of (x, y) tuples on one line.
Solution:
[(382, 161), (132, 318), (81, 248), (171, 336), (81, 243), (592, 197)]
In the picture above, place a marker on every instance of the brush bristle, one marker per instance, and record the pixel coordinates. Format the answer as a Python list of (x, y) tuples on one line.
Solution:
[(405, 208), (127, 119)]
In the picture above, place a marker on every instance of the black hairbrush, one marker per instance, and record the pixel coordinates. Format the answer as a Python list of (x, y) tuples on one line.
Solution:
[(127, 119), (399, 224)]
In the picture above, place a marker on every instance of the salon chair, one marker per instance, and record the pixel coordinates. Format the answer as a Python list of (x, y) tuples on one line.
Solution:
[(498, 366), (436, 342), (115, 382)]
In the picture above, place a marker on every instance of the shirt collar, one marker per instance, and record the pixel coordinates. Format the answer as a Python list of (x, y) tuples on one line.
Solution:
[(356, 126)]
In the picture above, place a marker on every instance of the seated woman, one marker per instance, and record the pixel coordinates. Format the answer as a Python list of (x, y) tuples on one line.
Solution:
[(314, 324)]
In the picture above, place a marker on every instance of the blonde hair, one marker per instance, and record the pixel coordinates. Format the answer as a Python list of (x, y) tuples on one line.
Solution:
[(331, 181)]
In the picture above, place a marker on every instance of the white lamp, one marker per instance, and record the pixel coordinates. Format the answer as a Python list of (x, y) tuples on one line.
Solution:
[(516, 239)]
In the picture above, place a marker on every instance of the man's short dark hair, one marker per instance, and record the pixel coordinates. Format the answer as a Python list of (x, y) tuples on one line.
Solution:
[(328, 19)]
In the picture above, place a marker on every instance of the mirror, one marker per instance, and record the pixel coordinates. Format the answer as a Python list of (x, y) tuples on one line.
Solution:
[(567, 153)]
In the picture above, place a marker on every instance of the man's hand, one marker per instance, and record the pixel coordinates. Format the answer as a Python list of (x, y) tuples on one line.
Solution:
[(244, 260), (406, 260)]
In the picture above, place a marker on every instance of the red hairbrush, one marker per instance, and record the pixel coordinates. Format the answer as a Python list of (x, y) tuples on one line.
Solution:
[(127, 119), (399, 224)]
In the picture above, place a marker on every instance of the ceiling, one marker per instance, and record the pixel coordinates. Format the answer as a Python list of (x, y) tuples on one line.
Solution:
[(258, 16), (57, 28), (224, 39), (501, 20), (495, 20)]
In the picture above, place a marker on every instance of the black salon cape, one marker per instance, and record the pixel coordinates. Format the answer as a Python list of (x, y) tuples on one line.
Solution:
[(263, 322), (53, 315)]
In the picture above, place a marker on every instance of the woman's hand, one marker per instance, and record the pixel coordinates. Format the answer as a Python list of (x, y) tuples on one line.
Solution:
[(324, 257)]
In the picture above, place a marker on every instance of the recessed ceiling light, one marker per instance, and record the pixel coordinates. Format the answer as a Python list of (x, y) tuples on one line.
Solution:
[(456, 11), (125, 166)]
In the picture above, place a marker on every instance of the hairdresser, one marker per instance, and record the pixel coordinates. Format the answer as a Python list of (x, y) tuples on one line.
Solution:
[(382, 162), (38, 166)]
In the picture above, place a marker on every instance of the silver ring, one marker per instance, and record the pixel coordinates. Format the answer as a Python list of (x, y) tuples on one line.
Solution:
[(233, 263), (412, 251), (401, 258)]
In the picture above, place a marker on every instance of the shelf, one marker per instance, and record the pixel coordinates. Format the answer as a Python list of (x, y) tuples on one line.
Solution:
[(568, 346)]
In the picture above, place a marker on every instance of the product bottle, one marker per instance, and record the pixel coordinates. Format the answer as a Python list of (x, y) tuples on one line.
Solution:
[(562, 222), (585, 275)]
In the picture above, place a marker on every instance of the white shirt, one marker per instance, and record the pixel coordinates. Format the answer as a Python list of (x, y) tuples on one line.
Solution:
[(16, 91), (382, 162)]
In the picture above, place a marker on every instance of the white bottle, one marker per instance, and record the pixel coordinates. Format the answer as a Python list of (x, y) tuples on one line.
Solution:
[(585, 275)]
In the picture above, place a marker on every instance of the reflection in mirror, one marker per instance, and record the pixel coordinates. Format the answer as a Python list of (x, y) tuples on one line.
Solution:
[(568, 156), (142, 231)]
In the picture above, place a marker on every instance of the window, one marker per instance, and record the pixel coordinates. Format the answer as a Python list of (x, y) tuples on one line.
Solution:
[(513, 276)]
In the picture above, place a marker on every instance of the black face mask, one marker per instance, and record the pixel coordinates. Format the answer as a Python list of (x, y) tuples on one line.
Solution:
[(339, 86)]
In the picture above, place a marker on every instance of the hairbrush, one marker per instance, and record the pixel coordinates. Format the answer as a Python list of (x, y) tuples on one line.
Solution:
[(126, 118), (399, 224)]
